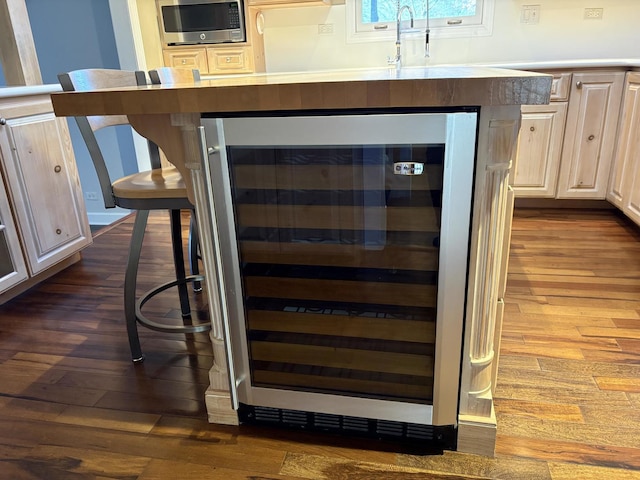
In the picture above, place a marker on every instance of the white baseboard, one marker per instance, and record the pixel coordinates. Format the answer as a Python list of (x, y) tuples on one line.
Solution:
[(106, 218)]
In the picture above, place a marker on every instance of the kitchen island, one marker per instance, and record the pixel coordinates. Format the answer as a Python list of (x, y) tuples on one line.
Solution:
[(172, 117)]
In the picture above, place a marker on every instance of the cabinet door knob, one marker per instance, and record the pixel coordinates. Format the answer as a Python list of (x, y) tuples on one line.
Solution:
[(533, 129), (578, 85), (3, 121), (591, 137), (58, 231), (57, 169)]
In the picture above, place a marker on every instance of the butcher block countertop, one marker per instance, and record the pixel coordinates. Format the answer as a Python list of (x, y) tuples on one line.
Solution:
[(327, 90)]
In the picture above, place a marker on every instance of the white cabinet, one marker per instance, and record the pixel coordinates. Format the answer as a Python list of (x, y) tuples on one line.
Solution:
[(43, 213), (13, 269), (624, 184), (566, 148), (590, 134), (539, 149)]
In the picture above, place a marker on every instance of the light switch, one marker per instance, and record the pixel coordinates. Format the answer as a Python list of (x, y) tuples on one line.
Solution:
[(530, 14)]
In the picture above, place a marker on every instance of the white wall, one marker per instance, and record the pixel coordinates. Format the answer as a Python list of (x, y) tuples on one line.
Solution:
[(292, 41)]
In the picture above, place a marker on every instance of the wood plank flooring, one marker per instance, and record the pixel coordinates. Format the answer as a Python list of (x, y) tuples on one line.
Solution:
[(73, 406), (570, 356)]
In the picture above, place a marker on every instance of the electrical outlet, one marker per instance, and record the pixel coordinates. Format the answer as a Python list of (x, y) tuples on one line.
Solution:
[(530, 14), (593, 13), (91, 195), (325, 28)]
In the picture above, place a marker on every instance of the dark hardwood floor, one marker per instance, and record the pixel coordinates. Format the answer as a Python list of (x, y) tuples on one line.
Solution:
[(73, 406)]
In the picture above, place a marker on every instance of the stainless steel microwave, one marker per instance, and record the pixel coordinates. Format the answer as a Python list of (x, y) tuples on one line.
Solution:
[(184, 22)]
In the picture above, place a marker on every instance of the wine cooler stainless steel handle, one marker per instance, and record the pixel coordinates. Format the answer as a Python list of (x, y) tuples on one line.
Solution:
[(205, 152)]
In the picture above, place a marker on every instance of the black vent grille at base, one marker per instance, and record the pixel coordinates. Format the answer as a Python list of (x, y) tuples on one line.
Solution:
[(386, 428), (355, 423), (266, 414), (417, 431), (443, 437), (322, 420), (293, 417)]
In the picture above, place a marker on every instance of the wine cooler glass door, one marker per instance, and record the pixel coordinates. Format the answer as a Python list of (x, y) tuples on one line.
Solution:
[(346, 263)]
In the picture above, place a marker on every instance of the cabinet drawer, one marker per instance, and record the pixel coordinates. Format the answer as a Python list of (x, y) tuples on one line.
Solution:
[(560, 87), (230, 60), (186, 58)]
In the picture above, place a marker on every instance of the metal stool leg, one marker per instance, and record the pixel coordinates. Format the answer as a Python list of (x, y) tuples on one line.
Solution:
[(178, 260), (133, 305), (130, 280)]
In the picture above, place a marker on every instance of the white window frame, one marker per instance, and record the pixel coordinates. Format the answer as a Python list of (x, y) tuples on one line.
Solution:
[(482, 25)]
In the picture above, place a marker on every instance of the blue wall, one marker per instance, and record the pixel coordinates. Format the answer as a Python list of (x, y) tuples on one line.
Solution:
[(75, 34), (72, 34), (3, 82)]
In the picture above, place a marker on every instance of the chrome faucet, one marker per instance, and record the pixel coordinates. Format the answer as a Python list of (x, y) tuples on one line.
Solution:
[(400, 10)]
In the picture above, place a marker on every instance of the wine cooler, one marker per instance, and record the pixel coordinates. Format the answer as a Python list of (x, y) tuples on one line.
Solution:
[(343, 245)]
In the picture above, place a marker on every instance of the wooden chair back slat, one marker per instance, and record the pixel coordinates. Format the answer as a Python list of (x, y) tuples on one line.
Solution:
[(96, 79), (172, 75), (101, 78)]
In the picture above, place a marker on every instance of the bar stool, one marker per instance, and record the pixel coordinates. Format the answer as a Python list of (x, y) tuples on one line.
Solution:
[(161, 188)]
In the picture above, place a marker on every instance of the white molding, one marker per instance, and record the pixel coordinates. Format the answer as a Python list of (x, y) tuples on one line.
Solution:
[(128, 35), (129, 43), (106, 218)]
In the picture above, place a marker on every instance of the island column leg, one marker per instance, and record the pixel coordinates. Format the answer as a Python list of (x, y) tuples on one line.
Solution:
[(178, 138), (497, 137)]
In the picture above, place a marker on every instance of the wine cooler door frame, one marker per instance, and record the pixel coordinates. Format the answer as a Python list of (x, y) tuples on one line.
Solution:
[(457, 130)]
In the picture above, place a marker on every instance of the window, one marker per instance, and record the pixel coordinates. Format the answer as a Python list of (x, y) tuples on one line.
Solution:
[(371, 20)]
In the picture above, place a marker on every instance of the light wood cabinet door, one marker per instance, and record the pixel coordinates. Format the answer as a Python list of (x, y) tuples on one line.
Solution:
[(292, 3), (13, 269), (631, 206), (43, 187), (590, 135), (223, 60), (186, 58), (624, 184), (539, 149)]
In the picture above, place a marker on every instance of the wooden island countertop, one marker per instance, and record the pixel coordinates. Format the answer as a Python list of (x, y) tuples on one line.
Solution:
[(346, 89), (171, 116)]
